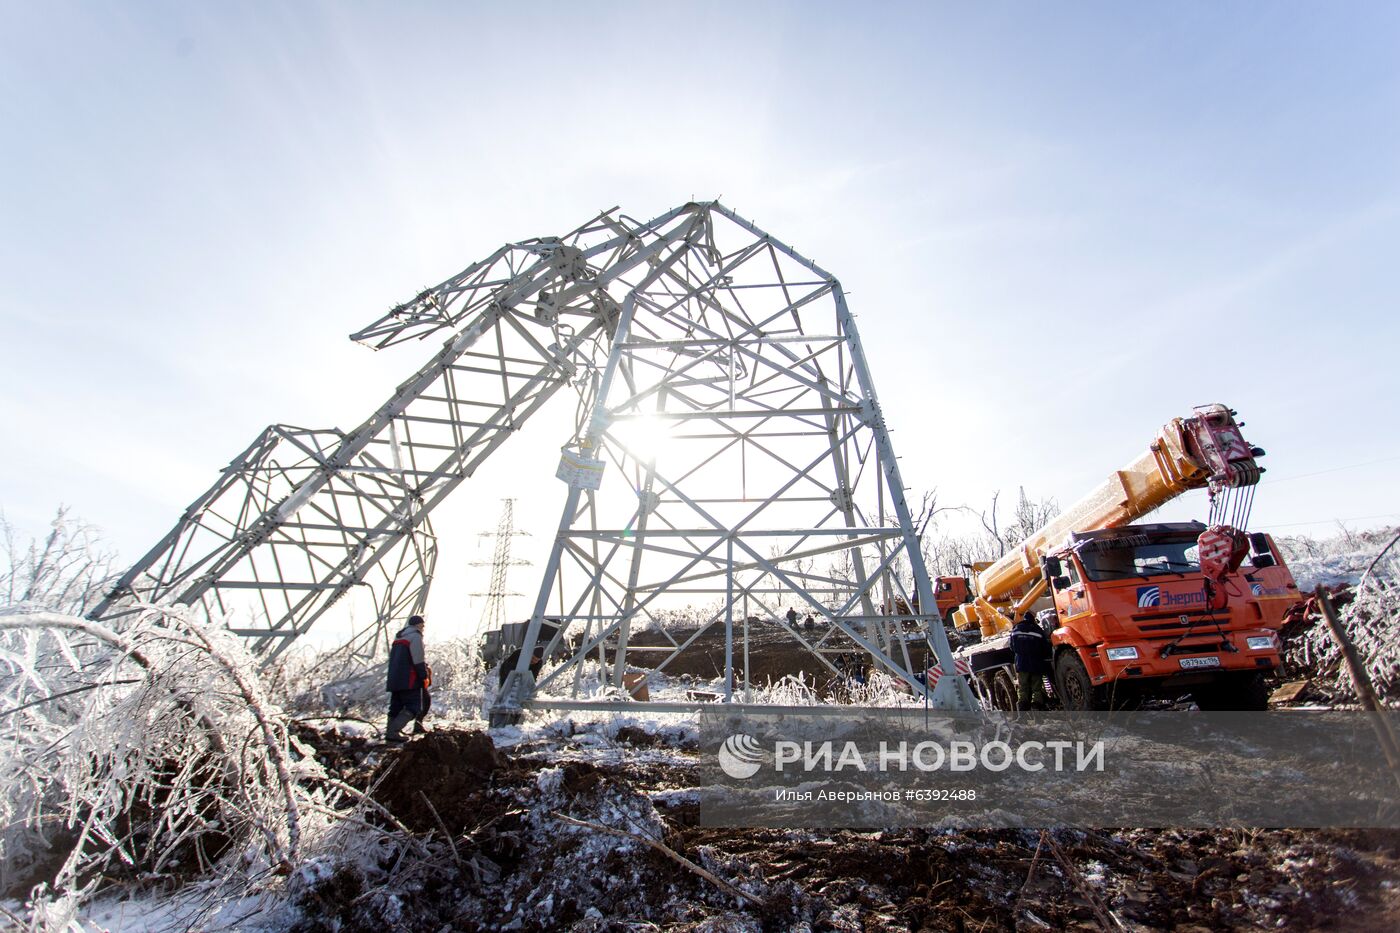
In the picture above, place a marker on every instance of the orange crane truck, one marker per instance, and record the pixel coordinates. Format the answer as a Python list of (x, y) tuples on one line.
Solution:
[(948, 592), (1144, 610)]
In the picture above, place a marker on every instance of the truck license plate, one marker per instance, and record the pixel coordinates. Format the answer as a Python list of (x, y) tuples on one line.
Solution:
[(1199, 662)]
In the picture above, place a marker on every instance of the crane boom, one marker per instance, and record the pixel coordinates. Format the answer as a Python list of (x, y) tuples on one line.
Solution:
[(1205, 450)]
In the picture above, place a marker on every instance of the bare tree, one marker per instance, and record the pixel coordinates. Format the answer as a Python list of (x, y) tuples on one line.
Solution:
[(949, 554), (799, 568), (65, 571), (1030, 517), (991, 524), (842, 570)]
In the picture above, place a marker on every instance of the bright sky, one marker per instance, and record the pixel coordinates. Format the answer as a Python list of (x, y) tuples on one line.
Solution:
[(1060, 225)]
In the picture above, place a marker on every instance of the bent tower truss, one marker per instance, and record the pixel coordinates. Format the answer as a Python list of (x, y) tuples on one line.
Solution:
[(730, 453)]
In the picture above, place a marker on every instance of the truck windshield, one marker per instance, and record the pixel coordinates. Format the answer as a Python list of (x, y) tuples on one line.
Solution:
[(1138, 556)]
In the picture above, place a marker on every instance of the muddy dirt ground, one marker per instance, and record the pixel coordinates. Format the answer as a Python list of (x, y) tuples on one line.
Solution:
[(513, 863)]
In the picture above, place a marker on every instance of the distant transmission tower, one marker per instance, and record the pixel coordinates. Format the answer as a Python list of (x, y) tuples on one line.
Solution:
[(495, 615)]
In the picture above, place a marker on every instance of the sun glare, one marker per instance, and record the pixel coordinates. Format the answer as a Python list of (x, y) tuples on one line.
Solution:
[(646, 437)]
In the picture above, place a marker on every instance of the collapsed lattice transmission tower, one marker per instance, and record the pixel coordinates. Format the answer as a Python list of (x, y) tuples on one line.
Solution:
[(493, 615), (730, 452)]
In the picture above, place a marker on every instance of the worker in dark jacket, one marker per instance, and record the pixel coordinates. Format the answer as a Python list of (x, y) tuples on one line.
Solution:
[(408, 675), (1032, 650), (512, 659)]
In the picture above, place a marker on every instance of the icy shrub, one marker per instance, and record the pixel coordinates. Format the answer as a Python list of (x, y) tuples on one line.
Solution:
[(1371, 620), (66, 571), (149, 753), (1342, 558)]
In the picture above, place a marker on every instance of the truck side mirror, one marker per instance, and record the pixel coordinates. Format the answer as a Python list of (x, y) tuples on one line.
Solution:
[(1259, 543), (1059, 583), (1260, 561), (1052, 567)]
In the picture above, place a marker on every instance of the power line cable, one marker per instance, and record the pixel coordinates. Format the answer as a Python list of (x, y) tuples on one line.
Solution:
[(1328, 521), (1349, 466)]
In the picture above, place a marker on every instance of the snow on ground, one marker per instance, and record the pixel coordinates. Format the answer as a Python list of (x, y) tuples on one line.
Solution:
[(191, 909)]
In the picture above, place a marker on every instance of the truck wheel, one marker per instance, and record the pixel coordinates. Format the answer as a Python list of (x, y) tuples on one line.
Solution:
[(1004, 690), (1072, 683)]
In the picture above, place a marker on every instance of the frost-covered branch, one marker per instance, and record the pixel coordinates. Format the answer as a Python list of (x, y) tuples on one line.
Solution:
[(1371, 620), (66, 571), (146, 752)]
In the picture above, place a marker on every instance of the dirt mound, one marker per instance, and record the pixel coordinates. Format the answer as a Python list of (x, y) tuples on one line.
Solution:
[(512, 862), (453, 770)]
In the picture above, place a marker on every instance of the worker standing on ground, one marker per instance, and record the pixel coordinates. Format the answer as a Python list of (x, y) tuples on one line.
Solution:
[(792, 616), (408, 675), (1032, 650)]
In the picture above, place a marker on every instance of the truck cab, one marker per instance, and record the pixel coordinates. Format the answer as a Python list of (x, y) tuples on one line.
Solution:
[(1135, 618), (950, 593)]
